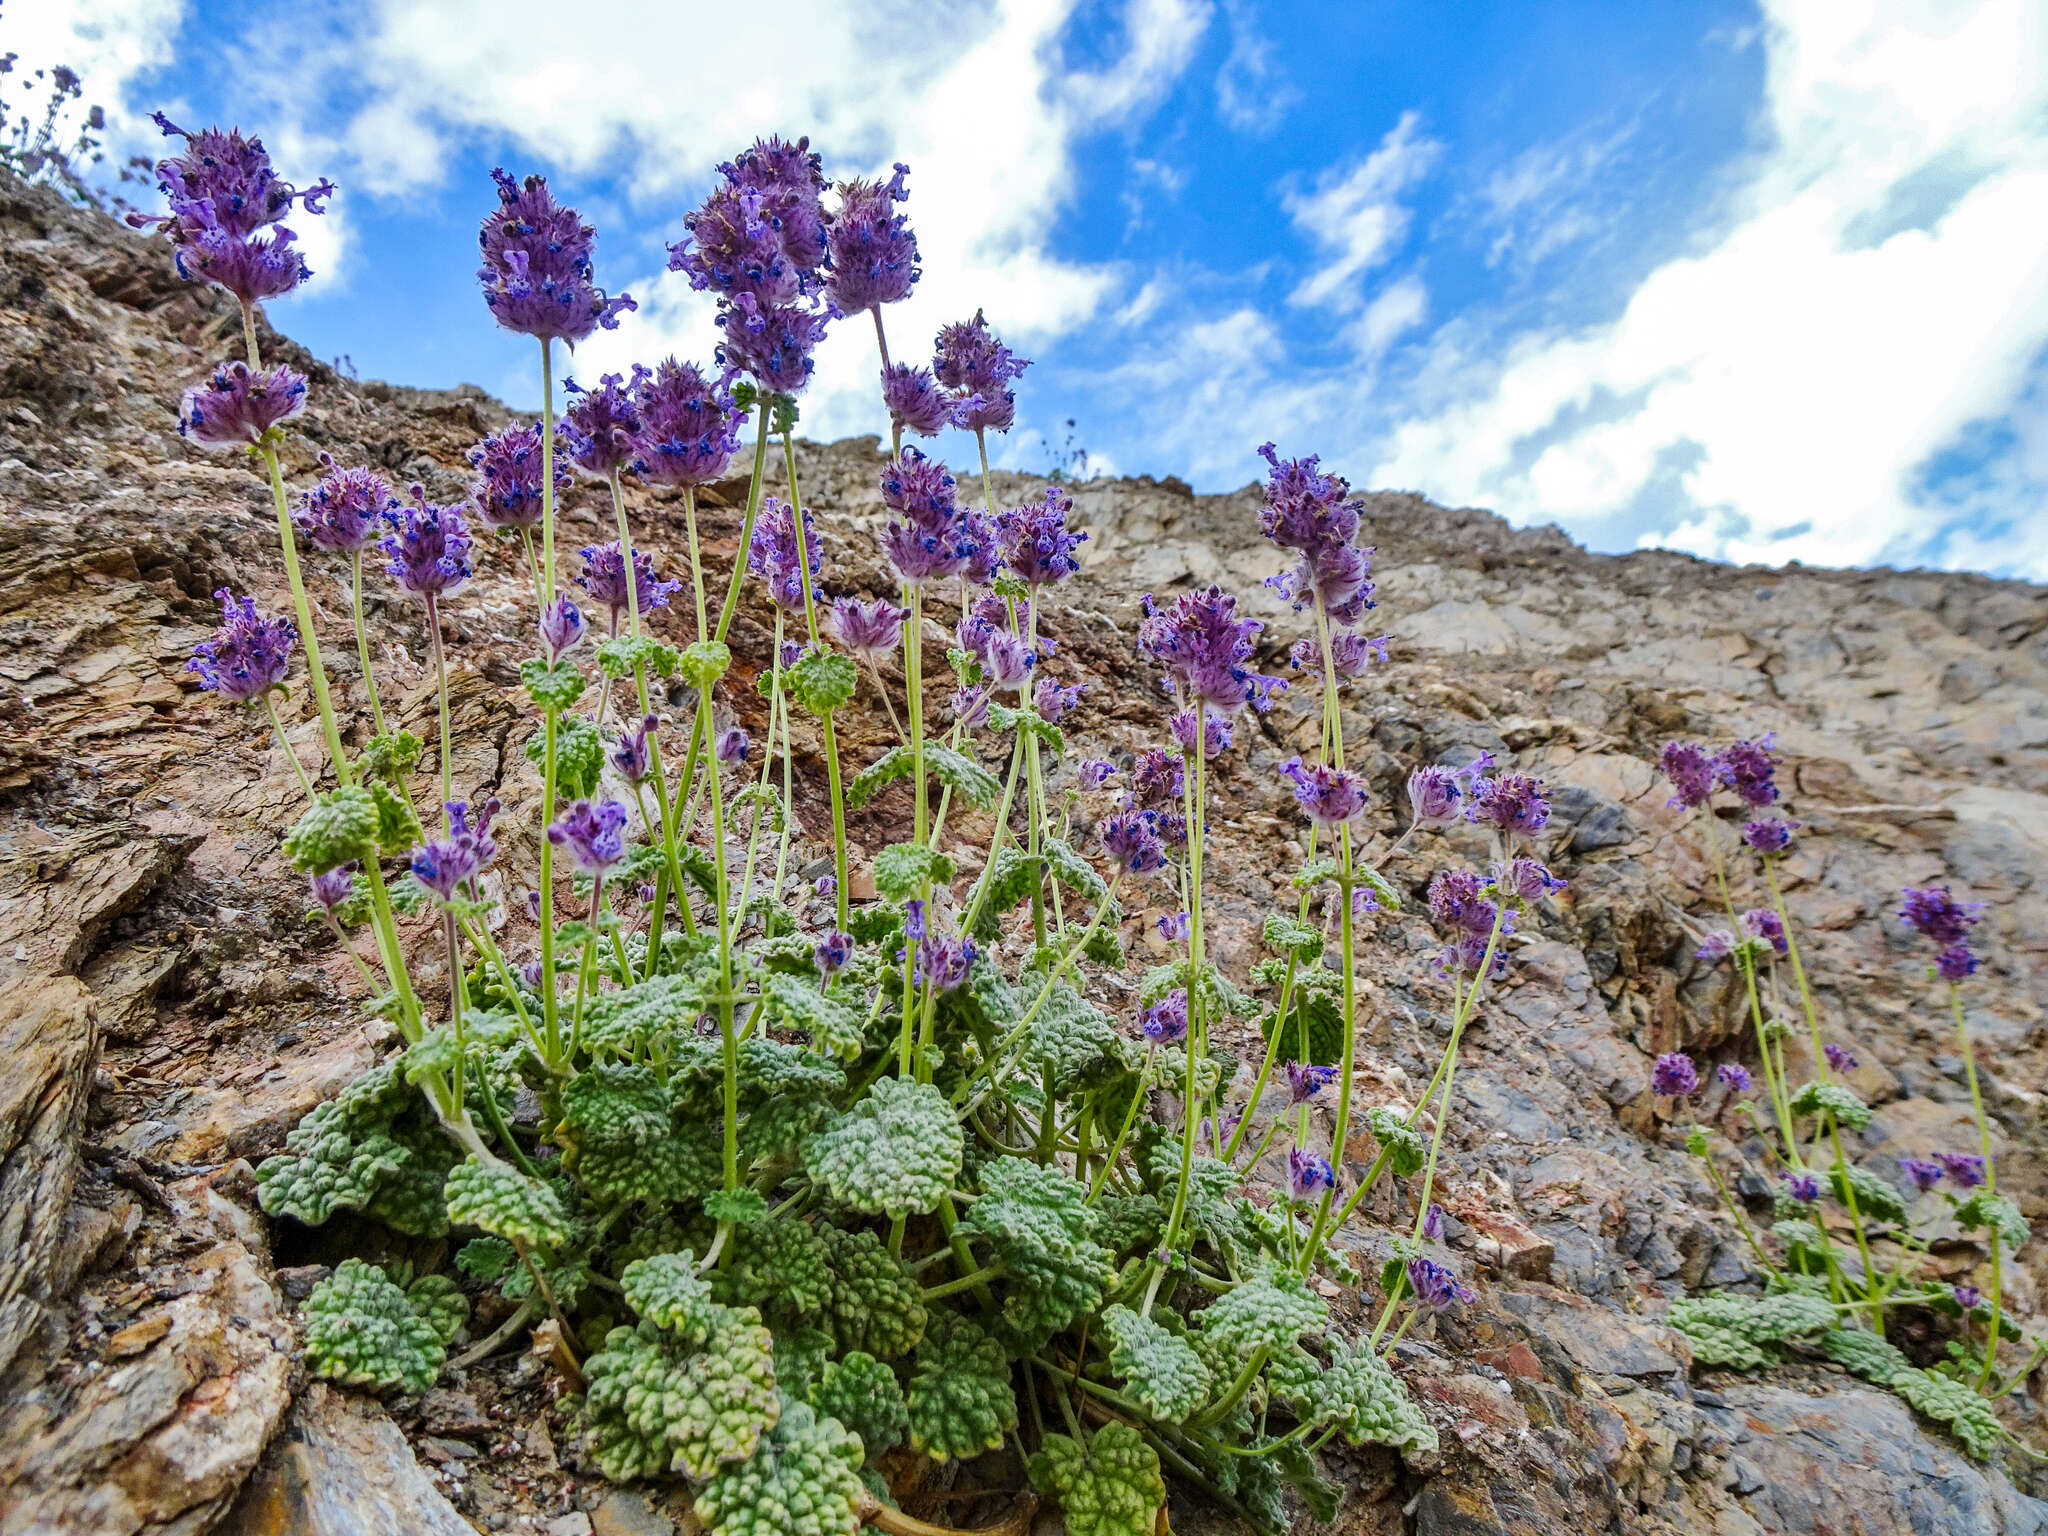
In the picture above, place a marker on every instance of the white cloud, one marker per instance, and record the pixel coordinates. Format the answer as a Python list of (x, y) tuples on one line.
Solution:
[(109, 42), (978, 99), (1355, 216), (1251, 93), (1394, 311), (1879, 285)]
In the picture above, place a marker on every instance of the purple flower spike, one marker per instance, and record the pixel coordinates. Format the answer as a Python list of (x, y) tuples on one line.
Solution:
[(773, 552), (915, 400), (507, 490), (935, 539), (1129, 838), (1433, 1223), (1035, 541), (1216, 733), (330, 890), (869, 630), (730, 747), (341, 513), (1435, 795), (1674, 1076), (428, 550), (787, 181), (1749, 769), (913, 919), (1005, 661), (1937, 915), (221, 192), (1304, 1083), (772, 343), (1306, 1174), (1333, 797), (1718, 945), (592, 833), (944, 962), (236, 407), (1350, 653), (1095, 772), (1458, 899), (633, 753), (1435, 1286), (1839, 1056), (689, 426), (827, 886), (602, 426), (978, 369), (247, 655), (869, 248), (1166, 1021), (1053, 702), (1964, 1169), (1159, 778), (1968, 1297), (604, 578), (1524, 878), (444, 865), (536, 272), (1921, 1172), (1764, 925), (1735, 1076), (1203, 645), (831, 953), (1957, 962), (1174, 927), (1510, 802), (1691, 772), (1771, 835), (1802, 1185), (561, 628)]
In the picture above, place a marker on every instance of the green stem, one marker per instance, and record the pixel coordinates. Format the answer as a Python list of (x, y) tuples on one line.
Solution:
[(1969, 1054), (302, 608), (441, 688), (696, 562), (547, 475), (739, 563), (363, 642), (298, 768)]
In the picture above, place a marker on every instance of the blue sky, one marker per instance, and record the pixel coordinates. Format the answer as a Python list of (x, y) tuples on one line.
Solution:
[(1761, 281)]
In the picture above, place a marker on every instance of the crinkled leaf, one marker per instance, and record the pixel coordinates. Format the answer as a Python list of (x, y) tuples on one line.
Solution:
[(894, 1154), (1111, 1486), (961, 1401)]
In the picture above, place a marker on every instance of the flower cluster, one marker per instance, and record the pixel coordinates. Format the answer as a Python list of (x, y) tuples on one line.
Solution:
[(978, 369), (1476, 921), (226, 205), (446, 865), (247, 655), (757, 243), (507, 489), (1204, 646), (604, 578), (773, 552), (536, 271), (688, 428), (239, 406), (427, 551), (935, 539), (870, 251), (1036, 543), (343, 511), (1936, 915)]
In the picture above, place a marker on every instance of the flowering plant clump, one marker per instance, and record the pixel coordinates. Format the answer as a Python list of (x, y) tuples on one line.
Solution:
[(803, 1183), (1881, 1274)]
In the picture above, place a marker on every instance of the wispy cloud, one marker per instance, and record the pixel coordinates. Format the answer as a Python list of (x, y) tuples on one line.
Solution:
[(1252, 92), (1355, 214), (1773, 395)]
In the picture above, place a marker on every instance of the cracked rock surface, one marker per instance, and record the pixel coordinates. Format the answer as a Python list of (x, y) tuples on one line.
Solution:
[(170, 1014)]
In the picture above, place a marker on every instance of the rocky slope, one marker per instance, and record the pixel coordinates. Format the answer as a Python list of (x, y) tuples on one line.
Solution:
[(168, 1014)]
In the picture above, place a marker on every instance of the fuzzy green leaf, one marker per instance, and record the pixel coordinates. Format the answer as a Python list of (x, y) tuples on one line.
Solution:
[(961, 1402), (363, 1331), (1110, 1487), (341, 828), (894, 1154)]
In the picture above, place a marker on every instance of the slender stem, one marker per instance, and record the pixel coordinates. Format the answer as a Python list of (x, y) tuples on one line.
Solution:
[(913, 682), (739, 563), (249, 334), (696, 562), (551, 1009), (298, 768), (729, 1043), (1969, 1054), (362, 970), (455, 980), (1191, 790), (363, 642), (547, 475), (441, 687), (287, 537)]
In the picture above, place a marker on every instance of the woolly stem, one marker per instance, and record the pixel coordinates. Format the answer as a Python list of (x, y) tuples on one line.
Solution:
[(298, 768), (363, 642), (302, 608), (441, 688)]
